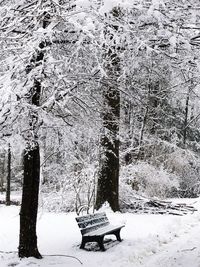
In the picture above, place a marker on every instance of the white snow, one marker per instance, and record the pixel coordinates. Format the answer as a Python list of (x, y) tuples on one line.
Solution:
[(148, 240)]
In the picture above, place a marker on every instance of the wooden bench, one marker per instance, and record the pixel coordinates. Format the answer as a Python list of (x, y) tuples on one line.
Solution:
[(94, 227)]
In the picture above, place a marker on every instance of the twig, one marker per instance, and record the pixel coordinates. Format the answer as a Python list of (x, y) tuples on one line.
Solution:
[(189, 249)]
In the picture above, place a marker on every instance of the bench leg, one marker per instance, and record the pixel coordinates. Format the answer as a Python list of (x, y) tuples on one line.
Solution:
[(117, 234), (100, 242), (82, 246)]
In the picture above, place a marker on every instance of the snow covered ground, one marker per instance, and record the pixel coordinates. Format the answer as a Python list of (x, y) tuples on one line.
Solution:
[(148, 240)]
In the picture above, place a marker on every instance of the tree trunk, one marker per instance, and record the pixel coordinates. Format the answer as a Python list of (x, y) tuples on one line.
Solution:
[(8, 177), (31, 182), (29, 206), (108, 178), (154, 103), (140, 155), (186, 118)]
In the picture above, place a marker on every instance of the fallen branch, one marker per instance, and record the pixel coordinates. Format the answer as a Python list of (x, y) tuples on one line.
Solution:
[(189, 249), (139, 204)]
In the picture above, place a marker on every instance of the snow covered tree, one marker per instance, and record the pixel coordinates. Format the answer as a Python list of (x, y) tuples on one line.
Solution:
[(31, 181), (23, 85), (31, 178), (108, 180)]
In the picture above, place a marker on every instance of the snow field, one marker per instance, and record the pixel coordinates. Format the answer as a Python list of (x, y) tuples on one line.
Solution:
[(148, 240)]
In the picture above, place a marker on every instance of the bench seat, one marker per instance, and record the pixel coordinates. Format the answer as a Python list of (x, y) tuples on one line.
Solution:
[(104, 230)]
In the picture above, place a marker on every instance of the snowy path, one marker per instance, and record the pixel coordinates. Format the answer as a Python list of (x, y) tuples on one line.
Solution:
[(148, 241)]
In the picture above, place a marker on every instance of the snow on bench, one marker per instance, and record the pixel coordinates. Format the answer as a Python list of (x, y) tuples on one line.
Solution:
[(94, 227)]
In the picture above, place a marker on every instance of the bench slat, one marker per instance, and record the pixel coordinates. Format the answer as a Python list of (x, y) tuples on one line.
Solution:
[(104, 230), (91, 217), (88, 223), (93, 228)]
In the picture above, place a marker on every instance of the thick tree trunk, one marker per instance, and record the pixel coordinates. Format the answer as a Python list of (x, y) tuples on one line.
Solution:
[(8, 177), (29, 206), (108, 180)]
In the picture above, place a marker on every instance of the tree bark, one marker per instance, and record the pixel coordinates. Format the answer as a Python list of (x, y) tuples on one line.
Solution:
[(31, 181), (29, 206), (108, 178)]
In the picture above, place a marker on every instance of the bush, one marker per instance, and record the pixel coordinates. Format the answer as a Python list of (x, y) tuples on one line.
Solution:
[(149, 180)]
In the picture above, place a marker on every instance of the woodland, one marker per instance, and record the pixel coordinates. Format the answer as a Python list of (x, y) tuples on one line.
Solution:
[(99, 105)]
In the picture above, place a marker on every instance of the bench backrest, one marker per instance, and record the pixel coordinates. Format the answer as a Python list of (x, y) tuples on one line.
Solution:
[(92, 222)]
